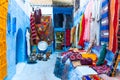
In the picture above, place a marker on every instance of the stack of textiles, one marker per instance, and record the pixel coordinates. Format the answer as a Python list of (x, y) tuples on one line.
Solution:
[(91, 77), (103, 69)]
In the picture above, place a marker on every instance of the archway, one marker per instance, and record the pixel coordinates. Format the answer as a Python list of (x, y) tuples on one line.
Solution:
[(19, 46)]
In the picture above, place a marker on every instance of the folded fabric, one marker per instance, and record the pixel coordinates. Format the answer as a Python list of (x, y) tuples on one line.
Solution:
[(90, 55), (104, 69), (66, 56), (75, 56), (91, 77), (66, 53), (86, 61)]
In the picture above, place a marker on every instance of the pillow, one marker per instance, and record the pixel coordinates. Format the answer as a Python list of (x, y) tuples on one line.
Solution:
[(66, 56), (101, 58)]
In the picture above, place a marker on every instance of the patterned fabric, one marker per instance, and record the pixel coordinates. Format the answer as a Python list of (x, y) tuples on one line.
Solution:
[(103, 69), (37, 15), (33, 29), (104, 34), (92, 77), (44, 29), (75, 56), (66, 55)]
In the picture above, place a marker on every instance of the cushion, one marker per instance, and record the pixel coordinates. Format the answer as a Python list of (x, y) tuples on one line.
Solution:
[(104, 69), (66, 56), (101, 58)]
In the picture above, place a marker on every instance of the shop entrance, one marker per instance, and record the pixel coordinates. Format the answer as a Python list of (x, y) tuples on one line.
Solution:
[(19, 46)]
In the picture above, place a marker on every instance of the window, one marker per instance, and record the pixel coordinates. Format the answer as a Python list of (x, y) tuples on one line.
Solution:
[(13, 25), (8, 23)]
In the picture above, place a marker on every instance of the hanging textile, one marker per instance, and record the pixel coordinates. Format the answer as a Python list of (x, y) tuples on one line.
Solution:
[(113, 25), (87, 14), (33, 29), (118, 34), (72, 38), (68, 37), (81, 40), (95, 22), (104, 28), (28, 41), (37, 15)]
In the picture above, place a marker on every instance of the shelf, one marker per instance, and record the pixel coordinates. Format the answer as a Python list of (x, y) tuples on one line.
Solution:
[(59, 29), (58, 42)]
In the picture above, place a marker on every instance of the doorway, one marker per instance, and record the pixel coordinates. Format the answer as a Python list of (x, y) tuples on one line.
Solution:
[(19, 46)]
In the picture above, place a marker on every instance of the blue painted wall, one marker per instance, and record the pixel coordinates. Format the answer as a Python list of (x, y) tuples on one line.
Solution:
[(17, 20)]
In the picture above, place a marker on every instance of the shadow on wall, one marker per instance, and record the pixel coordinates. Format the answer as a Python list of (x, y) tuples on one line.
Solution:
[(19, 47)]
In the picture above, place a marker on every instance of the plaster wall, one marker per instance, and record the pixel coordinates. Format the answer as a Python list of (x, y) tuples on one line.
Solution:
[(21, 22)]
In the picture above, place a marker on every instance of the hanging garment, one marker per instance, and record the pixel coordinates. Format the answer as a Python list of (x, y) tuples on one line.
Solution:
[(33, 29), (28, 42), (87, 14), (113, 25), (81, 40), (76, 35), (104, 28), (95, 23), (68, 37), (72, 36), (118, 34), (37, 15)]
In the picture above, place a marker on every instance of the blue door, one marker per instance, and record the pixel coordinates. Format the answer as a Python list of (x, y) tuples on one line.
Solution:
[(19, 46)]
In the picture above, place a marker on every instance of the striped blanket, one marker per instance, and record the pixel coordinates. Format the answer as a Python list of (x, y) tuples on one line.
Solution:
[(104, 28)]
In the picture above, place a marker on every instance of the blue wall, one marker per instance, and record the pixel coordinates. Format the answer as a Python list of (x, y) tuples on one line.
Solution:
[(18, 20)]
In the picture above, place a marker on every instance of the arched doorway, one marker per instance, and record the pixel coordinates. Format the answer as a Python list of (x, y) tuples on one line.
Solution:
[(19, 46)]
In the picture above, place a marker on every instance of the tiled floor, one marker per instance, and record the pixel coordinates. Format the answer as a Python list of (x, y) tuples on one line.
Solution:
[(42, 70)]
